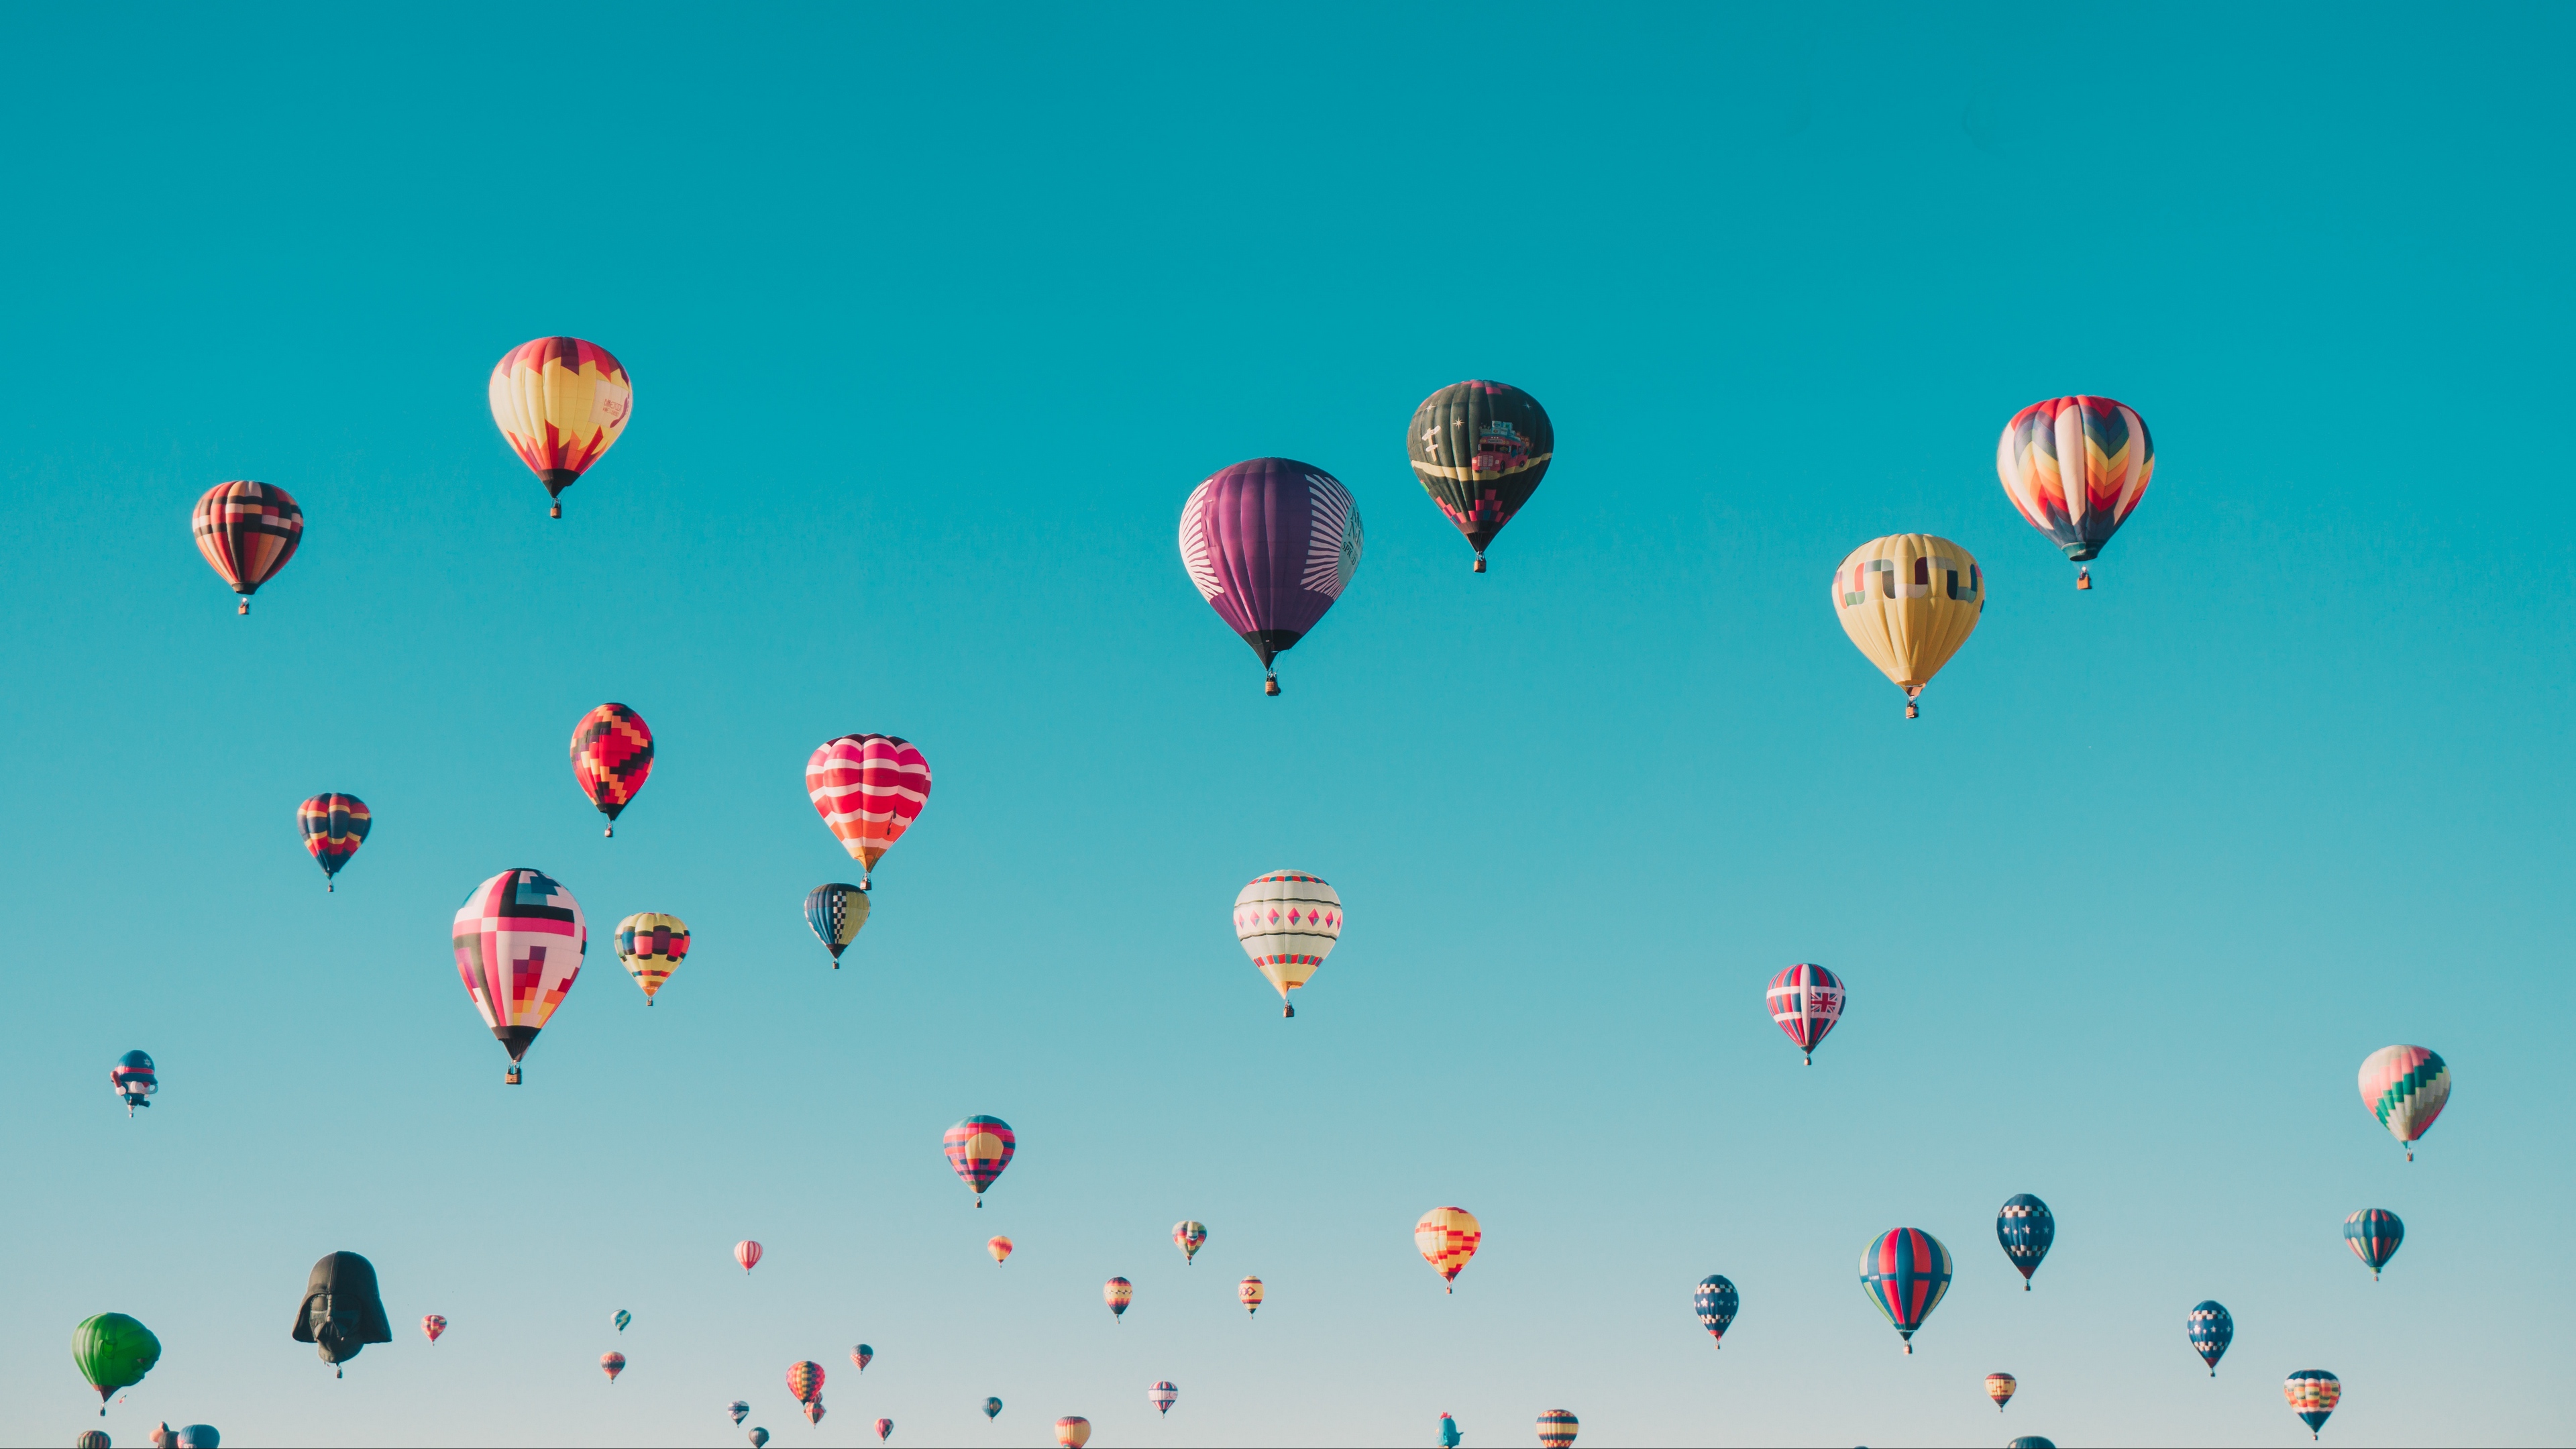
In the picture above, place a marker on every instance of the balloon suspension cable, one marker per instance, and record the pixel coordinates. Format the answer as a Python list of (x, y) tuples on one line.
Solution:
[(1270, 684), (1480, 560)]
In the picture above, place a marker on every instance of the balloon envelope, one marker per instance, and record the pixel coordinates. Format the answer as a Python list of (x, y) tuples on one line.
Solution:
[(836, 912), (135, 1079), (612, 756), (2025, 1227), (519, 940), (1715, 1302), (2405, 1087), (1905, 1272), (562, 403), (759, 1438), (199, 1436), (999, 1247), (868, 789), (1249, 1293), (247, 531), (1287, 922), (2211, 1329), (1908, 601), (747, 1253), (1118, 1293), (1447, 1238), (1479, 449), (992, 1408), (334, 826), (1999, 1387), (2313, 1394), (623, 1318), (862, 1356), (651, 945), (2075, 467), (612, 1364), (885, 1430), (805, 1381), (2373, 1234), (1556, 1429), (1805, 1000), (113, 1351), (1189, 1236), (432, 1325), (978, 1149), (1072, 1431), (1162, 1396), (342, 1311), (740, 1409), (1270, 544)]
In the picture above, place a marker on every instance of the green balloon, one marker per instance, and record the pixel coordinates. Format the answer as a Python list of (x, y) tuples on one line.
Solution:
[(113, 1352)]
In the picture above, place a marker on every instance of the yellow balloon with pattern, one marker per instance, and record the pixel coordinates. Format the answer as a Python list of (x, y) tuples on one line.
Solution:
[(651, 945), (1908, 601)]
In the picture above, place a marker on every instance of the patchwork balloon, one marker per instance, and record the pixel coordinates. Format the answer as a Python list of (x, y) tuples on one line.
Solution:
[(868, 789), (1479, 449), (1447, 1238), (2313, 1394), (2211, 1329), (2374, 1235), (1189, 1236), (651, 945), (612, 756), (2405, 1087), (247, 531), (2075, 467), (1287, 922), (805, 1381), (1715, 1301), (836, 912), (1908, 601), (1999, 1387), (519, 940), (2025, 1227), (1904, 1273), (1806, 1000), (334, 826), (978, 1149), (562, 403), (1270, 544)]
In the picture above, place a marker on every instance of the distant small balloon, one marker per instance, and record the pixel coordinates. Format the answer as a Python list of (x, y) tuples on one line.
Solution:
[(1715, 1302), (199, 1436), (2025, 1227), (1905, 1272), (978, 1149), (2313, 1394), (885, 1430), (740, 1409), (999, 1247), (992, 1408), (1999, 1387), (1072, 1431), (612, 1364), (805, 1382), (1118, 1293), (624, 1318), (1447, 1238), (2373, 1234), (1162, 1396), (247, 531), (2211, 1329), (1556, 1429), (759, 1438), (1189, 1237), (1449, 1436), (814, 1412), (1805, 1000), (747, 1253), (1249, 1293), (835, 912), (135, 1080), (2405, 1087), (334, 826), (432, 1325), (862, 1356)]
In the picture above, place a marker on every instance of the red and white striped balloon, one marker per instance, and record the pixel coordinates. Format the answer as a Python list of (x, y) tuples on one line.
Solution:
[(868, 789), (747, 1253)]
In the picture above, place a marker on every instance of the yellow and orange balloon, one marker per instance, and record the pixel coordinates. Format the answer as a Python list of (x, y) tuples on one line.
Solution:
[(1448, 1237), (1908, 601), (562, 403), (999, 1247)]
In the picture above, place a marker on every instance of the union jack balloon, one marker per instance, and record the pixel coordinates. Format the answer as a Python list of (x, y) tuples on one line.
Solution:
[(868, 789), (1288, 922), (1806, 1000), (562, 403), (1905, 1272), (519, 940), (1270, 544), (334, 826), (2075, 467), (247, 531), (612, 756)]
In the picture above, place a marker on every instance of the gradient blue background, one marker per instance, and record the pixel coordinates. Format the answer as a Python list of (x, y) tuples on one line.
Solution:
[(935, 322)]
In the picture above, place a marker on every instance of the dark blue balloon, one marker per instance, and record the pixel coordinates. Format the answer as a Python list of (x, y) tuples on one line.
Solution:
[(2211, 1331), (1715, 1303), (2025, 1228)]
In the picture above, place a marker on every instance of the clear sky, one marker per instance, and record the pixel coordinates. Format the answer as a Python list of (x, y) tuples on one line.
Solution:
[(935, 320)]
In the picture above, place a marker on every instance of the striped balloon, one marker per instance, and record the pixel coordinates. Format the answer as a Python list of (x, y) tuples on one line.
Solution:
[(2373, 1234), (1806, 1000), (1072, 1432), (432, 1325), (978, 1149), (1288, 922), (1189, 1237), (805, 1381), (1999, 1387), (813, 1411), (862, 1356), (868, 789), (836, 912), (999, 1248), (885, 1430), (562, 403), (1447, 1238), (247, 531), (1556, 1429), (612, 1364), (2405, 1087), (1118, 1293), (2025, 1228), (2313, 1394), (2212, 1329), (651, 946), (2075, 467), (747, 1253), (1162, 1396), (1270, 544), (1248, 1293), (612, 756), (1715, 1303), (334, 826), (1905, 1272)]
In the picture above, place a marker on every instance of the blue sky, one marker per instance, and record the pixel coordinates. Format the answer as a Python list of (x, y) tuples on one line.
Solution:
[(934, 323)]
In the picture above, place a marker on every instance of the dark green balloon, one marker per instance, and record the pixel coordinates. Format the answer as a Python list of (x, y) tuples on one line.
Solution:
[(113, 1352), (1480, 449)]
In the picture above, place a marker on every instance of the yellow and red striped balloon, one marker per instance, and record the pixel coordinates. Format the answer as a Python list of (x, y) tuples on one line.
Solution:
[(247, 531), (562, 403)]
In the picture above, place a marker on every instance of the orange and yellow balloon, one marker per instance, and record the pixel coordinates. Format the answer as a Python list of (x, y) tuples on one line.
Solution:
[(1072, 1432), (1908, 601), (1448, 1237), (999, 1247), (562, 403)]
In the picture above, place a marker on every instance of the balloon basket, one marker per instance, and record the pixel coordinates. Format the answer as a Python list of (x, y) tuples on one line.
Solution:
[(609, 834), (245, 607), (2083, 578), (1286, 1010), (1270, 685), (555, 512), (1480, 561), (512, 1079), (1911, 711)]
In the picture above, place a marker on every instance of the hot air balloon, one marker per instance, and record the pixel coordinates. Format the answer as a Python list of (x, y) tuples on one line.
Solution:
[(624, 1318), (113, 1351), (1270, 544), (342, 1312), (805, 1382), (2211, 1330), (198, 1436), (1480, 449), (2075, 466), (885, 1430), (1806, 1001), (247, 531), (862, 1356), (432, 1325), (1248, 1292), (334, 826), (992, 1408), (651, 946), (1999, 1387), (747, 1253), (2373, 1234), (868, 789), (94, 1438), (612, 1364), (759, 1437), (1162, 1396), (1072, 1431), (2025, 1228), (612, 757), (1449, 1435), (1905, 1272), (1189, 1237), (814, 1412), (740, 1409), (2030, 1441), (2405, 1088), (134, 1079), (1118, 1293), (2313, 1394), (999, 1247), (519, 941), (836, 912), (1288, 922), (1556, 1429), (1908, 601), (1447, 1238), (561, 402), (1715, 1302), (978, 1149)]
